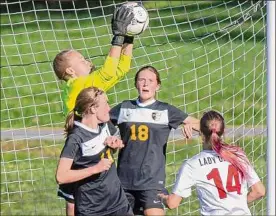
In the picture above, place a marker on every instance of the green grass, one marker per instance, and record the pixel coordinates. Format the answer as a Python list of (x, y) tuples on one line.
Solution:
[(28, 178), (28, 184), (224, 71), (201, 69)]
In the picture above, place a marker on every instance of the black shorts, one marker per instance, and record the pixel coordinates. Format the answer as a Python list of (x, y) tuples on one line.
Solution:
[(126, 211), (141, 200), (66, 191)]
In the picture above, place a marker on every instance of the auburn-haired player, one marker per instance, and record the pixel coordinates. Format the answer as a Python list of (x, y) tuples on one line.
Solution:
[(221, 174), (145, 125)]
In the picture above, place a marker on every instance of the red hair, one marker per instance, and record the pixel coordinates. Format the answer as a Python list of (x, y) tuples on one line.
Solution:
[(212, 127)]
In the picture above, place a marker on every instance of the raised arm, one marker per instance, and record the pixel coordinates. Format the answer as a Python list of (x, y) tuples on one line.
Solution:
[(125, 49), (118, 61), (115, 52), (125, 61), (128, 47), (121, 63)]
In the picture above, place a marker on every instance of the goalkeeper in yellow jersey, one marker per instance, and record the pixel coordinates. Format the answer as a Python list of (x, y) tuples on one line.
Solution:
[(78, 73)]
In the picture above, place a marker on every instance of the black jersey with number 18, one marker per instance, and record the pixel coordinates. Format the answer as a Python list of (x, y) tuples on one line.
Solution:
[(144, 131)]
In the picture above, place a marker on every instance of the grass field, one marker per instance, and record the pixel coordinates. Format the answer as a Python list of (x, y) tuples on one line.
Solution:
[(29, 175), (202, 67)]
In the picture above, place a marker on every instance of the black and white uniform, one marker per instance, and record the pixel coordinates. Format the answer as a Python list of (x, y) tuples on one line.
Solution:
[(144, 129), (99, 194)]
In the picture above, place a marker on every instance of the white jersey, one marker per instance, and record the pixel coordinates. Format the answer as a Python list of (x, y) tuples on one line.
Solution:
[(219, 186)]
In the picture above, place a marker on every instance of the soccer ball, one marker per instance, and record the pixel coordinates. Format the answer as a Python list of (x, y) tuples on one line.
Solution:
[(140, 20)]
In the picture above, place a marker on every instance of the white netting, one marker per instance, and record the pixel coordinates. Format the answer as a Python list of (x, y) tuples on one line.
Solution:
[(211, 54)]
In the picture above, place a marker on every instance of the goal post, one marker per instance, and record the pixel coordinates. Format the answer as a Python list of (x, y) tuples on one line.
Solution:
[(210, 54), (271, 107)]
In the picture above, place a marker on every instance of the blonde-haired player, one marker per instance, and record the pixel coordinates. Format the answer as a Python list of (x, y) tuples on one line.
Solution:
[(86, 158), (221, 174), (78, 73)]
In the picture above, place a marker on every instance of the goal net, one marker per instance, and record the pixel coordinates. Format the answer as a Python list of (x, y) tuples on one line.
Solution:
[(211, 55)]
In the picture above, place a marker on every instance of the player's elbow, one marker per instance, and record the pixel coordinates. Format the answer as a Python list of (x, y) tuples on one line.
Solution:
[(258, 190), (257, 195), (63, 171), (260, 193), (60, 178)]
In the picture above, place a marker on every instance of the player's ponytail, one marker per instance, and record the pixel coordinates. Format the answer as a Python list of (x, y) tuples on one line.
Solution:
[(69, 123), (212, 127), (87, 98)]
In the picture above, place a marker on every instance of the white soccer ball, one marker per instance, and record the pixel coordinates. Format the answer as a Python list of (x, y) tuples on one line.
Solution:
[(140, 20)]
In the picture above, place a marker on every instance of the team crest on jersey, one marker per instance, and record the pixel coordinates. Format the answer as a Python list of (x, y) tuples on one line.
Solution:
[(156, 116)]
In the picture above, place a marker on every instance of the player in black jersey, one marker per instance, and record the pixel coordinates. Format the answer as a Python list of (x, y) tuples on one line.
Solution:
[(86, 159), (145, 125)]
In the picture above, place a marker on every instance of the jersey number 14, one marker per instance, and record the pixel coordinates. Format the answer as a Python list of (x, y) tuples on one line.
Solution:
[(231, 186)]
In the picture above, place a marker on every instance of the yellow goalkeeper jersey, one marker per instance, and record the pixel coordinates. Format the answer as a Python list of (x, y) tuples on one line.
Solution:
[(104, 78)]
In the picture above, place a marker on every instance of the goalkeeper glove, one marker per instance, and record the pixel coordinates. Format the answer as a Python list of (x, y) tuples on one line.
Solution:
[(129, 39), (122, 17)]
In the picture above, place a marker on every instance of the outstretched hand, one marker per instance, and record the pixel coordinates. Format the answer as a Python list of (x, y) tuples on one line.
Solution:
[(187, 131), (114, 142), (122, 17)]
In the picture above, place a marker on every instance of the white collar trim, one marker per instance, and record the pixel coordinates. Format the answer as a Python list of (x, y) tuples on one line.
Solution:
[(145, 104), (86, 127)]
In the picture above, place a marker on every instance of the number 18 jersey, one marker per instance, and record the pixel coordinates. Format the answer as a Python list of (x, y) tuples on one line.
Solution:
[(144, 130), (219, 186)]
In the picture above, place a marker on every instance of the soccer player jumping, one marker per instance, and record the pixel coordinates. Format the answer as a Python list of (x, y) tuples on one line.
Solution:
[(78, 73)]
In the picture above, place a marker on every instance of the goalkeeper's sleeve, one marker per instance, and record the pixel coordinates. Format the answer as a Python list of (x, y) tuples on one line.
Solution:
[(110, 74)]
